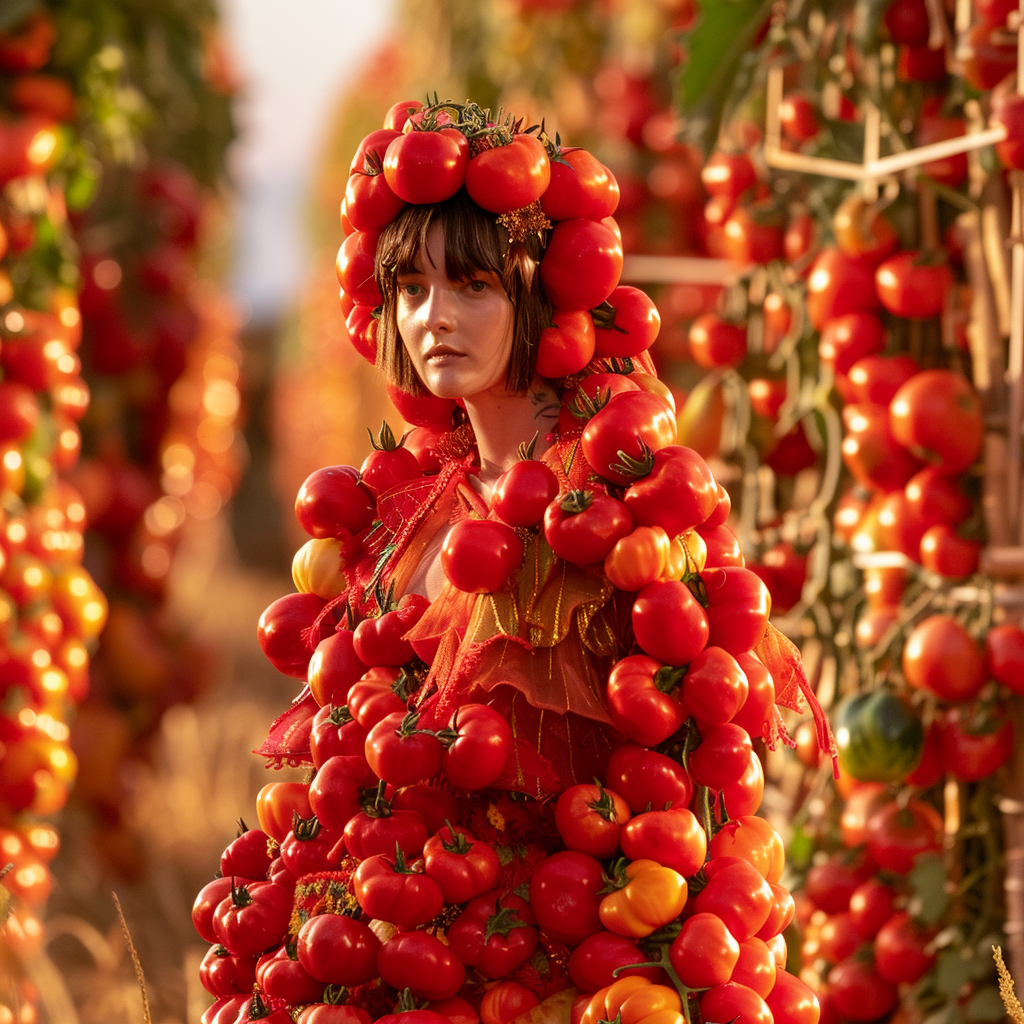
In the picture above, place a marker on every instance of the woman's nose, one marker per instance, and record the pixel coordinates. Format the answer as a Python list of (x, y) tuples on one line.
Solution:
[(440, 314)]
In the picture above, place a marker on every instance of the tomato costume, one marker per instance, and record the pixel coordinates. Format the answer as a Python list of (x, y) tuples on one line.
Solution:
[(487, 823)]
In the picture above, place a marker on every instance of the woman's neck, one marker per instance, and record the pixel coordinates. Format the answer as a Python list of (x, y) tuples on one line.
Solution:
[(502, 421)]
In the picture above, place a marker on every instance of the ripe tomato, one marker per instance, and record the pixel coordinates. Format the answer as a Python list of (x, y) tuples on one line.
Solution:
[(753, 235), (478, 742), (937, 416), (494, 934), (722, 757), (715, 687), (754, 840), (669, 622), (566, 345), (378, 641), (462, 866), (639, 559), (744, 796), (581, 265), (505, 1001), (222, 974), (1008, 113), (332, 503), (644, 699), (767, 396), (523, 492), (936, 498), (645, 777), (423, 964), (370, 205), (736, 893), (940, 656), (830, 885), (798, 117), (627, 325), (715, 343), (847, 339), (252, 918), (334, 668), (673, 838), (604, 957), (580, 186), (799, 239), (247, 856), (908, 22), (859, 992), (861, 231), (909, 287), (401, 754), (974, 745), (871, 905), (389, 465), (354, 267), (780, 917), (619, 439), (582, 526), (382, 829), (277, 803), (334, 793), (760, 696), (944, 551), (509, 177), (678, 494), (987, 59), (791, 1001), (1004, 656), (424, 167), (901, 955), (728, 174), (723, 547), (704, 952), (589, 819), (897, 836), (565, 894), (738, 605), (338, 950), (755, 968), (479, 556), (871, 452), (838, 285), (389, 889)]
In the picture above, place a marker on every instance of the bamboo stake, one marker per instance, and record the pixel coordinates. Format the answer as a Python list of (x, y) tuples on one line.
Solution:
[(680, 270)]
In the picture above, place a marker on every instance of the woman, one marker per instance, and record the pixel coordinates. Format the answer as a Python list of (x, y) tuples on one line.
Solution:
[(517, 609)]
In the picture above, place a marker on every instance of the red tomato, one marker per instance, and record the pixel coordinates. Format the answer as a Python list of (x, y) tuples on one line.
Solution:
[(565, 894), (597, 961), (716, 343), (627, 326), (479, 556), (390, 890), (767, 396), (798, 117), (354, 267), (838, 285), (334, 793), (247, 856), (338, 950), (669, 622), (799, 238), (566, 345), (424, 167), (478, 742), (871, 452), (736, 893), (395, 118), (755, 968), (715, 687), (728, 174), (207, 900), (704, 952), (334, 668), (644, 699), (900, 950), (975, 745), (370, 205), (792, 1002), (506, 1001), (589, 819), (421, 963), (940, 656), (830, 885), (679, 492), (944, 551), (859, 993), (846, 340), (462, 866), (222, 974), (909, 287), (1004, 656), (738, 605), (580, 186), (619, 439), (735, 1002), (760, 696), (871, 905), (645, 777), (331, 503), (381, 830), (936, 498), (908, 22), (673, 838), (583, 526), (509, 177), (937, 416), (722, 757), (781, 915), (723, 547), (389, 465), (281, 628), (897, 836), (743, 796), (252, 918), (494, 934), (401, 754), (581, 265), (523, 492), (379, 640)]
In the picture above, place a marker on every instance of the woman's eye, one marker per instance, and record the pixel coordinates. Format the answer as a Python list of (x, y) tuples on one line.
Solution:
[(478, 285), (409, 289)]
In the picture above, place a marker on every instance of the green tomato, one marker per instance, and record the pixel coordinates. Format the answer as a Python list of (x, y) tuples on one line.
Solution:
[(879, 736)]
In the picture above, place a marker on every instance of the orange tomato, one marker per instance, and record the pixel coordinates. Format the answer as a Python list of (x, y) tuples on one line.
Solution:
[(638, 559)]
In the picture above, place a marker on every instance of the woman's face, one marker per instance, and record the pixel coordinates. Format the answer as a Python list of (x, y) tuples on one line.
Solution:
[(458, 334)]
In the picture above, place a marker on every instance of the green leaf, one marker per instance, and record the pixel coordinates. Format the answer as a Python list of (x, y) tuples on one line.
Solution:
[(14, 10), (801, 848), (927, 882), (985, 1004), (952, 972), (714, 49)]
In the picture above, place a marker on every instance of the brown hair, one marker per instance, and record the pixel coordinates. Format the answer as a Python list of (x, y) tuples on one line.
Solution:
[(473, 241)]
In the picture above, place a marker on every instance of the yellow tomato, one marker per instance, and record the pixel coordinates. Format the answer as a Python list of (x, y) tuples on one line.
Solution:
[(650, 895), (634, 1000), (638, 559), (317, 568), (80, 603), (687, 553)]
